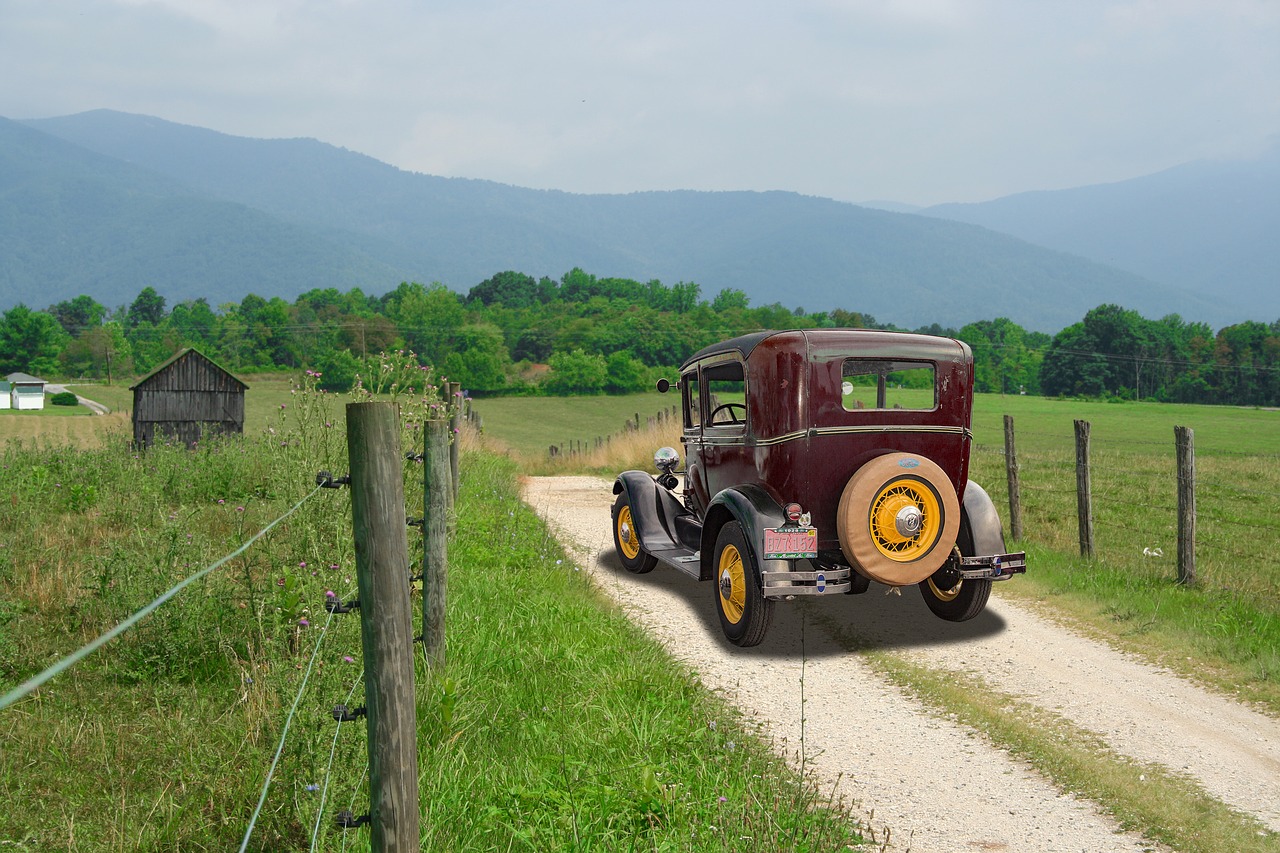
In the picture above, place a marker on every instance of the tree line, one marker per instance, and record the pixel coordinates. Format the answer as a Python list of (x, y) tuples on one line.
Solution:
[(583, 334)]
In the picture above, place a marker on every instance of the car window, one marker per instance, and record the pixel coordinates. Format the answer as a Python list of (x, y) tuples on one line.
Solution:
[(727, 394), (692, 395), (883, 384)]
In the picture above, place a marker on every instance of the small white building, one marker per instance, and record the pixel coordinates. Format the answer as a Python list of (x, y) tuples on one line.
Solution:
[(26, 392), (5, 392)]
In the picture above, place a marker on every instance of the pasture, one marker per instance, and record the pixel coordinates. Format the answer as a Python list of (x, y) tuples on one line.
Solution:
[(1225, 631), (556, 725)]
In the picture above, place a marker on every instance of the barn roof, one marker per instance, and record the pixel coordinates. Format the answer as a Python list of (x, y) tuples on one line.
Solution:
[(180, 354), (24, 379)]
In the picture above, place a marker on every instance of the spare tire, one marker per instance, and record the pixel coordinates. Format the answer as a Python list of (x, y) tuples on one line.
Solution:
[(898, 518)]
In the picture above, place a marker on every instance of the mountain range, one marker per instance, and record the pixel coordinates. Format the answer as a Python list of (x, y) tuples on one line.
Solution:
[(106, 203)]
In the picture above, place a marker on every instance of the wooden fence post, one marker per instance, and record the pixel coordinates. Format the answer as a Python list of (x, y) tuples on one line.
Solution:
[(455, 432), (1015, 485), (1184, 437), (1084, 490), (386, 623), (435, 548)]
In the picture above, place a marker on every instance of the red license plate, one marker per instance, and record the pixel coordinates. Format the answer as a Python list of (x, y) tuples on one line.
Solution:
[(790, 543)]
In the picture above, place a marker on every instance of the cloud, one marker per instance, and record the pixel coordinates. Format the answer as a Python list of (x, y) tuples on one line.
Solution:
[(916, 100)]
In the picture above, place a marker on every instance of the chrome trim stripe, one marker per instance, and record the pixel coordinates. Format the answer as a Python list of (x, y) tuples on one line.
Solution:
[(852, 430)]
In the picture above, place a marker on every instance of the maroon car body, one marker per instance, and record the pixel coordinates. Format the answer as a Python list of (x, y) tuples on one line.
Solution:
[(819, 461)]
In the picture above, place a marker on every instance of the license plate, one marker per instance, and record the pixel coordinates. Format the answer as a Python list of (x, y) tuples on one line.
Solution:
[(790, 543)]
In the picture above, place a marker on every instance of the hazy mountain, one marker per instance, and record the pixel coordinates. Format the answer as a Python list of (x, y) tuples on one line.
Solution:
[(1206, 226), (105, 203), (73, 221)]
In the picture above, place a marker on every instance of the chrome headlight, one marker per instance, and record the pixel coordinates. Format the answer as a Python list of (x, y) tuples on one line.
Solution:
[(666, 459)]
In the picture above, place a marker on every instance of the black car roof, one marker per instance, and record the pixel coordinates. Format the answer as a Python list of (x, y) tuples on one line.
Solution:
[(919, 345), (744, 344)]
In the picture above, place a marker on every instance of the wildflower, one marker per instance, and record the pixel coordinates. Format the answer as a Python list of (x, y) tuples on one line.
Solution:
[(333, 566), (348, 659), (731, 746), (221, 501), (313, 787), (722, 799), (302, 565), (239, 509), (303, 622), (282, 405), (328, 593), (712, 725), (280, 582)]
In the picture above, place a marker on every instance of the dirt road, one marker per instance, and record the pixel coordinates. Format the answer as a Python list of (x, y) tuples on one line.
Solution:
[(937, 785)]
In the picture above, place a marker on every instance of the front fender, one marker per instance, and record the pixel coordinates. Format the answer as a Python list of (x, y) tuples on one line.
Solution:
[(643, 498), (754, 509)]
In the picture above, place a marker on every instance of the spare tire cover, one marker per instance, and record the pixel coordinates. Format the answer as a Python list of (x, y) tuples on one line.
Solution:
[(898, 518)]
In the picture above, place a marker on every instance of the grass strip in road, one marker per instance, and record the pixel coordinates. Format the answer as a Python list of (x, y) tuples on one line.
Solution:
[(1142, 796)]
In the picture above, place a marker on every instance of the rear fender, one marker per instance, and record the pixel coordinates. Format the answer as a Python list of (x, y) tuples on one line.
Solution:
[(754, 509), (980, 524)]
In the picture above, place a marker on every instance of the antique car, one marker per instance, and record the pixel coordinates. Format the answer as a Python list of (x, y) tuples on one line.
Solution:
[(818, 461)]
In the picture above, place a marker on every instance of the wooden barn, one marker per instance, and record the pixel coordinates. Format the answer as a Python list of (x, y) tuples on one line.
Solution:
[(187, 397)]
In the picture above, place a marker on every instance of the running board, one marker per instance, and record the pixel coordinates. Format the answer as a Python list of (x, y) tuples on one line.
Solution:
[(682, 560)]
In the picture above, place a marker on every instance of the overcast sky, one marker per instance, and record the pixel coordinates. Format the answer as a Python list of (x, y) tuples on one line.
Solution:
[(917, 101)]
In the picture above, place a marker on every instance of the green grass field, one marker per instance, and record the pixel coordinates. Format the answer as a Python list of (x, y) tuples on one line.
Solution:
[(556, 725)]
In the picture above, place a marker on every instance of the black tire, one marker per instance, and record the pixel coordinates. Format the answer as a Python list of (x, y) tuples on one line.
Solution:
[(744, 612), (626, 540), (950, 598)]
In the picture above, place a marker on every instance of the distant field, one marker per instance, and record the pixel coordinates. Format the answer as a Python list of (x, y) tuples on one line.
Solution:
[(78, 427), (530, 425)]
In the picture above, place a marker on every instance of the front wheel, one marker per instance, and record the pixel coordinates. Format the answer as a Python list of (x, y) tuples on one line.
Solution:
[(744, 612), (952, 598), (626, 539)]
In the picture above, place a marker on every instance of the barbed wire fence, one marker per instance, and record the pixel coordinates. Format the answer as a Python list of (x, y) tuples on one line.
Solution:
[(1151, 504), (384, 583)]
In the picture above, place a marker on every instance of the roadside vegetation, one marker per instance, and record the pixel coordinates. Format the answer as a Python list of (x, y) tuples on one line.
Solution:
[(555, 725)]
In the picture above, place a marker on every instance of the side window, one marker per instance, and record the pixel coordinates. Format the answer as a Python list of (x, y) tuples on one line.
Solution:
[(726, 394), (883, 384), (692, 397)]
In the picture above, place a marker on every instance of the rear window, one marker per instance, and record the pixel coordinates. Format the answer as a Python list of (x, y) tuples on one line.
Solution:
[(884, 384)]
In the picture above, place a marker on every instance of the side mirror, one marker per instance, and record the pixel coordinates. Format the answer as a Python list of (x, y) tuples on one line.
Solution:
[(664, 385)]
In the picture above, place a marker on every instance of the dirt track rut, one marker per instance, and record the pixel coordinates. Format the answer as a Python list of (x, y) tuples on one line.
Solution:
[(936, 785)]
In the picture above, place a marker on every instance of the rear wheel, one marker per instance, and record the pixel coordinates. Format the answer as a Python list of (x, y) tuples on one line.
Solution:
[(954, 599), (744, 612), (626, 539), (949, 596)]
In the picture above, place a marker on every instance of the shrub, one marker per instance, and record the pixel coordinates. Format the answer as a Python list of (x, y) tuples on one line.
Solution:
[(64, 398)]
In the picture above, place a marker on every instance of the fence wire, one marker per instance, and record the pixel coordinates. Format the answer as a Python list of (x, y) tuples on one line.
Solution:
[(80, 654)]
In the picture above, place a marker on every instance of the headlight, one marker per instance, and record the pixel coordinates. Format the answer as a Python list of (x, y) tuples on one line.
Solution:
[(666, 459)]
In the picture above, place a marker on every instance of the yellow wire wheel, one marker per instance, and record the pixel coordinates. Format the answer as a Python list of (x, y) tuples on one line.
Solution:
[(626, 539), (744, 612), (731, 584), (898, 518)]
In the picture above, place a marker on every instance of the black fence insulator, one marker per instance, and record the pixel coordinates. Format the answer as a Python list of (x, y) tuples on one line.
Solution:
[(413, 457), (346, 820), (336, 605), (325, 480), (414, 522), (343, 714)]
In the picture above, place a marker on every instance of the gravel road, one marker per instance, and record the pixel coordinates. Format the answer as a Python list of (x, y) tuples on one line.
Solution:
[(935, 785)]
